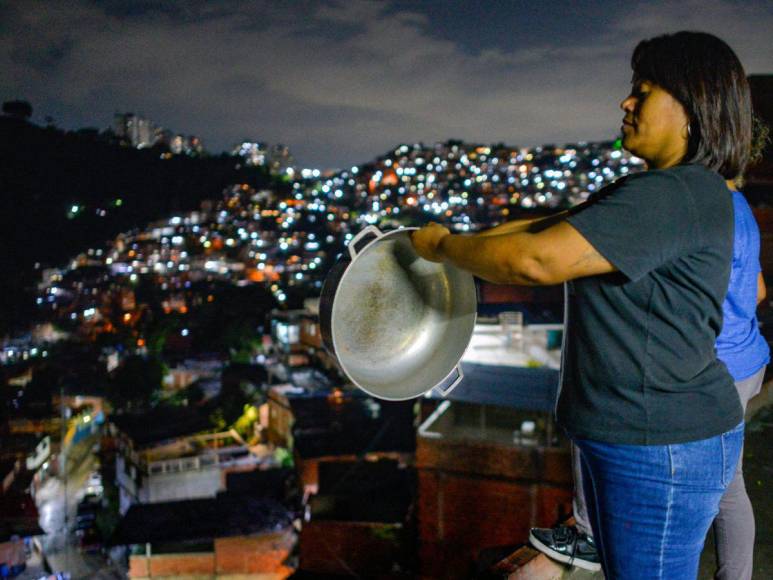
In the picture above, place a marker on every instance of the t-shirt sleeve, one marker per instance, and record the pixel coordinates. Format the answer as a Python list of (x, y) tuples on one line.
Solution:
[(640, 224)]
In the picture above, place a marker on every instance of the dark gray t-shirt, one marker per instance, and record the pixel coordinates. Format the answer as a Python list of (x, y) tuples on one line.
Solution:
[(640, 361)]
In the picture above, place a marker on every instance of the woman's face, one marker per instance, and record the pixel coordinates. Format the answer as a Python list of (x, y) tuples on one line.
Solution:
[(655, 126)]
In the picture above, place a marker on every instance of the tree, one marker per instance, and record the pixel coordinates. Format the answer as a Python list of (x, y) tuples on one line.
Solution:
[(18, 109), (135, 381)]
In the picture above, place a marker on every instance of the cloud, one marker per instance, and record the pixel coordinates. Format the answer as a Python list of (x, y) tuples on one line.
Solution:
[(339, 82), (745, 26)]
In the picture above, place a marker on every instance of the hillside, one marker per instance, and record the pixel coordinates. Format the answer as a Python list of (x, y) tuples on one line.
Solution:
[(63, 192)]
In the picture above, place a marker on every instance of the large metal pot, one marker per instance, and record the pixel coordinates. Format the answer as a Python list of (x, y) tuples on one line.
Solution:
[(397, 324)]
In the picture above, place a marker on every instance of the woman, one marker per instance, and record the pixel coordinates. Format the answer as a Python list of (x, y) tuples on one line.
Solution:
[(745, 353), (654, 413)]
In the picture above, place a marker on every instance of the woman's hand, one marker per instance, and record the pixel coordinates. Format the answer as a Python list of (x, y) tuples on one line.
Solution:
[(426, 241)]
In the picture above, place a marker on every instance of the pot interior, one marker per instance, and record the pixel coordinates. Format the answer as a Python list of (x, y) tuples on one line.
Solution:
[(400, 323)]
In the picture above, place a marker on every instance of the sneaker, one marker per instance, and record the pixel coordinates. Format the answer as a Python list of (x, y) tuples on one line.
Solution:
[(566, 545)]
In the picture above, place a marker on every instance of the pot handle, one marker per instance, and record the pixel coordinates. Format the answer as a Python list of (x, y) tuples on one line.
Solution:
[(444, 390), (369, 231)]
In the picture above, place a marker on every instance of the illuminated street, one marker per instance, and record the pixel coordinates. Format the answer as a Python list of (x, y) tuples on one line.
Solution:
[(57, 501)]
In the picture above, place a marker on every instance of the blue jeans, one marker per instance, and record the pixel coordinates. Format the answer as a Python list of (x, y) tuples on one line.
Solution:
[(650, 506)]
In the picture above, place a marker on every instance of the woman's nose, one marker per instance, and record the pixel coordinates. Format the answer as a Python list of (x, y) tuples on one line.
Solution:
[(628, 103)]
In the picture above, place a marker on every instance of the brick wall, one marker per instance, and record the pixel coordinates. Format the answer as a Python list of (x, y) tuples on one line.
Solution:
[(475, 495), (139, 567), (172, 565), (262, 554), (481, 457), (308, 469), (365, 549)]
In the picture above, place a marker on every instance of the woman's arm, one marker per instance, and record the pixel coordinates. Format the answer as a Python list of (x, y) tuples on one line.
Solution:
[(508, 227), (553, 255), (524, 225)]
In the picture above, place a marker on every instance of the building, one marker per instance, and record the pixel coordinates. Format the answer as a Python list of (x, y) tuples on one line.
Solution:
[(18, 513), (319, 424), (138, 131), (31, 449), (231, 534), (490, 465), (363, 513), (286, 330), (188, 371), (185, 144), (168, 454), (354, 458)]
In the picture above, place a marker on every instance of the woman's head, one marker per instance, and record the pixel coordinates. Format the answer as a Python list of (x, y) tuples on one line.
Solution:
[(702, 76)]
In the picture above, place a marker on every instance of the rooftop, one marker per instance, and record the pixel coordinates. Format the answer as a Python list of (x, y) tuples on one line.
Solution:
[(161, 424), (530, 389), (200, 519), (344, 422)]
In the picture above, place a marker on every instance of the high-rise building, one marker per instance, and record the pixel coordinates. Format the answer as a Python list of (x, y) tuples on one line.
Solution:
[(137, 131)]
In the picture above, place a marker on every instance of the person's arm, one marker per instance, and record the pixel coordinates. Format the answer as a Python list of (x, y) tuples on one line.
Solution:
[(556, 254), (634, 226), (527, 225), (508, 227), (762, 291)]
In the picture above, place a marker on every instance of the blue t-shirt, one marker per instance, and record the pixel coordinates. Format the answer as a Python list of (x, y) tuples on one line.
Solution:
[(740, 345)]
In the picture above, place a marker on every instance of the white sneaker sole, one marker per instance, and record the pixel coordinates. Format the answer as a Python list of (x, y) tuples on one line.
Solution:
[(579, 562)]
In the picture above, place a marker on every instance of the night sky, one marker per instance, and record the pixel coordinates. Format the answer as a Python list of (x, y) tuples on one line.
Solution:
[(340, 82)]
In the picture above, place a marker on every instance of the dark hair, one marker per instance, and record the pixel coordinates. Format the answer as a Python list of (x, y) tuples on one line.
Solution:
[(760, 140), (703, 73)]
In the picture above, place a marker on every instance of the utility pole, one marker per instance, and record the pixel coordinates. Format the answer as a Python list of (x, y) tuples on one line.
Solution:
[(63, 458)]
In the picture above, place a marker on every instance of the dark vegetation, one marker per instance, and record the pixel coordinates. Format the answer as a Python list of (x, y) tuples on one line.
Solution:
[(45, 172)]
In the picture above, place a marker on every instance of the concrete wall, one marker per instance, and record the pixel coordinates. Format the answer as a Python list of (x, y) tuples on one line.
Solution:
[(181, 486), (167, 486), (126, 485)]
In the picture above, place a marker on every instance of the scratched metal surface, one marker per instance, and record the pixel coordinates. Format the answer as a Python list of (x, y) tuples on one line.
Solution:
[(400, 323)]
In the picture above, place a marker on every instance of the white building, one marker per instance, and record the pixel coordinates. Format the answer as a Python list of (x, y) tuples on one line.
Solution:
[(138, 131)]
